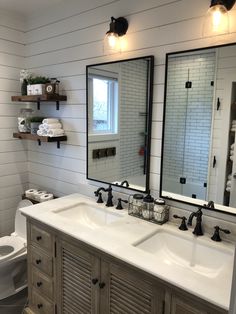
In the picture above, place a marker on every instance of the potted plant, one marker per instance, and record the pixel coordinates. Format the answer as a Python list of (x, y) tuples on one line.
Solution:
[(35, 123), (36, 84)]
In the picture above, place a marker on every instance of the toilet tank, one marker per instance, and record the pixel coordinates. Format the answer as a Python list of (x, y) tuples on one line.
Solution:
[(20, 220)]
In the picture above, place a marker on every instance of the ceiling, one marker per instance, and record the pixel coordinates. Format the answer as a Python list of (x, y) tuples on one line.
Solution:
[(27, 7)]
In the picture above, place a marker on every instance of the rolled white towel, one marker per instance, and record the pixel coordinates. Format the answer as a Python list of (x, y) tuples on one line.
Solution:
[(231, 153), (30, 193), (228, 189), (55, 132), (231, 158), (230, 177), (233, 122), (46, 197), (41, 127), (50, 120), (52, 126), (42, 133), (232, 146), (228, 184)]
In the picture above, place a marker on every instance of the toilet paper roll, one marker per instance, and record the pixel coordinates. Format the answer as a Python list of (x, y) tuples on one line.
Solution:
[(46, 197), (30, 193), (38, 194)]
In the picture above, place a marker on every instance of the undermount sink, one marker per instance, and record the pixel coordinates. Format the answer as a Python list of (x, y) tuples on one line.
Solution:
[(89, 215), (186, 250)]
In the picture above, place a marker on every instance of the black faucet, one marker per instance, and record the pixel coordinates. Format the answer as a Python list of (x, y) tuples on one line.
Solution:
[(109, 195), (210, 204), (125, 182), (198, 228)]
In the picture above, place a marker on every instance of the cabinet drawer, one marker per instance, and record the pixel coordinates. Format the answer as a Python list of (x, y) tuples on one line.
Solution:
[(40, 305), (41, 238), (41, 261), (42, 284)]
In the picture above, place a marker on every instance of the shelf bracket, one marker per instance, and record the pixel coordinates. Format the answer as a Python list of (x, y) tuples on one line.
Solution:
[(58, 144), (38, 103), (39, 142), (57, 105)]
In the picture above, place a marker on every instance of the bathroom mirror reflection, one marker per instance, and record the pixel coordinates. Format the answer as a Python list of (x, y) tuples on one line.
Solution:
[(119, 106), (199, 151)]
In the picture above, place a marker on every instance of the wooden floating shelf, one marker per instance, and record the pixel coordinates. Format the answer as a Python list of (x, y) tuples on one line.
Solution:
[(39, 139), (40, 98)]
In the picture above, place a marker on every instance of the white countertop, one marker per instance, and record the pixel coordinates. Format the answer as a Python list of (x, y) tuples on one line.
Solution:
[(117, 238)]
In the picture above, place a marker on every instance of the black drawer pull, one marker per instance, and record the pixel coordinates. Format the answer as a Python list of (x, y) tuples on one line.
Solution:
[(94, 281), (39, 305), (38, 238), (38, 261), (101, 285), (39, 284)]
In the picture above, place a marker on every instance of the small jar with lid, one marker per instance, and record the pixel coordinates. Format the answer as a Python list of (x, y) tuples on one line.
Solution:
[(135, 204), (24, 120), (161, 211), (148, 205)]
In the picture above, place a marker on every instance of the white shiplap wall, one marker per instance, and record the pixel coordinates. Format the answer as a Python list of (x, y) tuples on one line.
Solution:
[(61, 42), (13, 153)]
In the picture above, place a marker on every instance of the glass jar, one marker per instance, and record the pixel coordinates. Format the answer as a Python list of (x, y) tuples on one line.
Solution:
[(160, 211), (24, 121), (135, 204), (148, 205)]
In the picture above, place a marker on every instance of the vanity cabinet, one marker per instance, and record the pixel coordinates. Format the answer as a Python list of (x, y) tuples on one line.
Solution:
[(75, 278)]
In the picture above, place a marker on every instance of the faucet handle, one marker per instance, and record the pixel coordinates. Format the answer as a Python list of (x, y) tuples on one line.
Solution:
[(216, 236), (183, 225), (119, 204), (99, 194)]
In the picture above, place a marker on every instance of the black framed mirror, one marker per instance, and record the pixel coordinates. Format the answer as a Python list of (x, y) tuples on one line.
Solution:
[(119, 116), (198, 154)]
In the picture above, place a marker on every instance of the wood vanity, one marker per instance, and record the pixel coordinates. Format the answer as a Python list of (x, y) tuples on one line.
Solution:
[(66, 275)]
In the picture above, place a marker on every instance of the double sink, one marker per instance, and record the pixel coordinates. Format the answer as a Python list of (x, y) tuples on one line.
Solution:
[(166, 244)]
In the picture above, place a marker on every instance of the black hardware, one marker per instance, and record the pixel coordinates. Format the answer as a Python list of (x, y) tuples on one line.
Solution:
[(125, 182), (182, 180), (212, 83), (38, 103), (94, 281), (39, 142), (39, 305), (57, 105), (227, 3), (218, 104), (198, 228), (118, 26), (38, 261), (100, 200), (214, 162), (38, 238), (104, 152), (119, 205), (163, 307), (109, 202), (205, 185), (210, 204), (194, 196), (102, 285), (58, 144), (188, 84), (216, 236), (183, 225), (39, 284)]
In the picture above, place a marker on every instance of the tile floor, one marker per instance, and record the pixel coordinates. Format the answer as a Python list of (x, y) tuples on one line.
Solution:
[(14, 304)]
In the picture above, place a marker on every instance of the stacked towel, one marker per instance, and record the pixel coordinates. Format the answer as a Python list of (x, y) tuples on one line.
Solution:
[(233, 126), (51, 127), (228, 183), (231, 152)]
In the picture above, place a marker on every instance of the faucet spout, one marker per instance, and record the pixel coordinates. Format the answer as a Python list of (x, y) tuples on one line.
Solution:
[(198, 227)]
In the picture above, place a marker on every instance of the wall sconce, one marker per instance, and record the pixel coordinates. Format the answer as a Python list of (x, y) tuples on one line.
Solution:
[(113, 38), (217, 17)]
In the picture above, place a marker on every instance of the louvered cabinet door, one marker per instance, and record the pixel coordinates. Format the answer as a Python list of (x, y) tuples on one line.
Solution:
[(78, 274), (126, 292)]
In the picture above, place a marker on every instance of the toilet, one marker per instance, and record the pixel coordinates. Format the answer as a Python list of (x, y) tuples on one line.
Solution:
[(13, 252)]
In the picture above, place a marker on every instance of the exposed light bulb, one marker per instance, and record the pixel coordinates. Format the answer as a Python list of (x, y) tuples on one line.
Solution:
[(111, 43), (216, 21)]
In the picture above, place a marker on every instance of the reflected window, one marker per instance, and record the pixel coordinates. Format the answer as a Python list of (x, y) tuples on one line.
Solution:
[(104, 99)]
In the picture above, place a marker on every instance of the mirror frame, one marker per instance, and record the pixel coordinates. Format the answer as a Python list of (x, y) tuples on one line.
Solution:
[(196, 204), (149, 121)]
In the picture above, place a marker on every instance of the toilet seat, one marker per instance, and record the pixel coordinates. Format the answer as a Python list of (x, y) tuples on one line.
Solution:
[(18, 244)]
